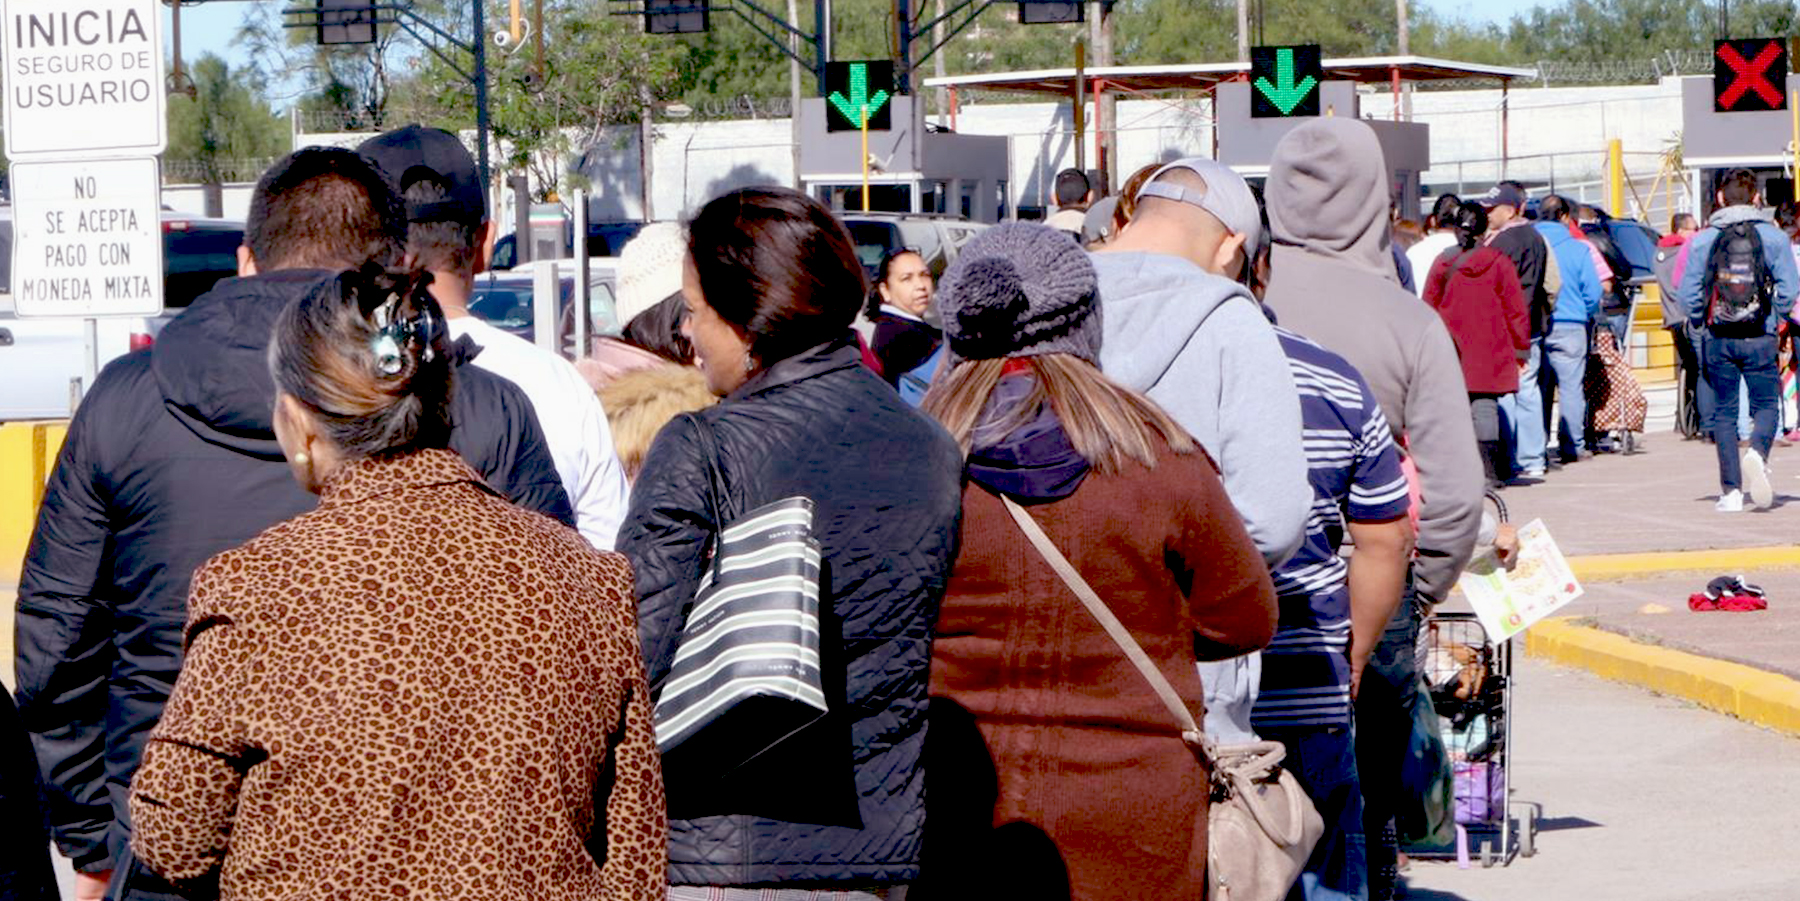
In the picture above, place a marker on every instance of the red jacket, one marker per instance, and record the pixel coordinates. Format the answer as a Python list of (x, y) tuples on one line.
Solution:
[(1484, 309)]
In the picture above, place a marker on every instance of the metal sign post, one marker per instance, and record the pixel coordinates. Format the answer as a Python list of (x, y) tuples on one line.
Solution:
[(581, 327)]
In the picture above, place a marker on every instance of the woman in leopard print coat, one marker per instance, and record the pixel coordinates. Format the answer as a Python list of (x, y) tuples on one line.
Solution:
[(415, 690)]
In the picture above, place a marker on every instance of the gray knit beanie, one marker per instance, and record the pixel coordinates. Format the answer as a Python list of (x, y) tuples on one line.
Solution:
[(1021, 290)]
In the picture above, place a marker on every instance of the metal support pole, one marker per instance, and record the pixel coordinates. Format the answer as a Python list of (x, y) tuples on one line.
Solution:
[(1080, 100), (482, 121), (1505, 136), (903, 52), (821, 40), (1394, 82), (793, 13), (581, 327), (1100, 123)]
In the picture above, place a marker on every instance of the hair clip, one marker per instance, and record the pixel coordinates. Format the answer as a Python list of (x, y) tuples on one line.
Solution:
[(386, 343)]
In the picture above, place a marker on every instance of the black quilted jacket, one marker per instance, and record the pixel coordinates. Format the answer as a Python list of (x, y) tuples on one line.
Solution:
[(843, 802)]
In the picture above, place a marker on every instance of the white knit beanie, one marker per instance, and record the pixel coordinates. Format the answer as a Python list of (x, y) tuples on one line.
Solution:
[(650, 268)]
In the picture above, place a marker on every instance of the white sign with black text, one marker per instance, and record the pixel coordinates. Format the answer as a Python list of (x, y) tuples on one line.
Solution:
[(84, 79), (87, 238)]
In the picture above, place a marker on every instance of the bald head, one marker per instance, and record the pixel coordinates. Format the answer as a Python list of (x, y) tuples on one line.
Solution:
[(1181, 228)]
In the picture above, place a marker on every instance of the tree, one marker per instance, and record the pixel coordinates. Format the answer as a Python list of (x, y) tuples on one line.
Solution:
[(347, 85), (598, 70), (227, 128)]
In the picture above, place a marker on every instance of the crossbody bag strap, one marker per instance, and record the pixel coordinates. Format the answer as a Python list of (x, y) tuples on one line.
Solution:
[(718, 503), (1190, 731)]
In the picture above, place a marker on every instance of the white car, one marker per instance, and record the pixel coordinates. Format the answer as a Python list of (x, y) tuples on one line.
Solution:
[(41, 360)]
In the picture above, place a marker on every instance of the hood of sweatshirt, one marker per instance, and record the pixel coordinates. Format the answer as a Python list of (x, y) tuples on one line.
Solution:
[(212, 361), (1034, 461), (1555, 234), (1154, 305), (1328, 194), (1476, 264), (1732, 215)]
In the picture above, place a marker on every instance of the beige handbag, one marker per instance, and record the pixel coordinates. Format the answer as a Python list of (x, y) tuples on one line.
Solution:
[(1261, 826)]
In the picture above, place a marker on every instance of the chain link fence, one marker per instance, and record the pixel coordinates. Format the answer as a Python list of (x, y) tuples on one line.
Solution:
[(199, 172)]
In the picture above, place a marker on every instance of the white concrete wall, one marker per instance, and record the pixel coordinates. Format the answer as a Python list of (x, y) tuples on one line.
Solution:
[(191, 199), (1557, 135)]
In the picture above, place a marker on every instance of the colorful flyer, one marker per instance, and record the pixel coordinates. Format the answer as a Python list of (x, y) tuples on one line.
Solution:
[(1509, 601)]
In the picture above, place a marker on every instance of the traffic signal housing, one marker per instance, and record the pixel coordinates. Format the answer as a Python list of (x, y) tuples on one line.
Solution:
[(856, 89), (1284, 81), (1750, 75)]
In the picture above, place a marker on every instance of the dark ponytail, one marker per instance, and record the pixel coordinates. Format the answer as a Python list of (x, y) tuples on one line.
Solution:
[(1470, 222), (368, 354)]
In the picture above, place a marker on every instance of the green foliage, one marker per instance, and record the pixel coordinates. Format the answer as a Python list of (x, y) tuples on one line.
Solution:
[(225, 128), (597, 70)]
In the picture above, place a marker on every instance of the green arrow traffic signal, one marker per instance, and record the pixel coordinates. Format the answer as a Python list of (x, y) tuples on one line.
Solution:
[(1286, 81), (858, 105)]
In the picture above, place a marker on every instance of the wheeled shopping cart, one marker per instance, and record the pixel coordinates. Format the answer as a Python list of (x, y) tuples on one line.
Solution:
[(1471, 682)]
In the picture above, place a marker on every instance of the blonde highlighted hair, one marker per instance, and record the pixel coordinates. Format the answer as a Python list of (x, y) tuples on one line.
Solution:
[(1108, 424)]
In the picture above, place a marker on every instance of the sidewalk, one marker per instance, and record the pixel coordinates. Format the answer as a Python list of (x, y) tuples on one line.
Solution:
[(1642, 535)]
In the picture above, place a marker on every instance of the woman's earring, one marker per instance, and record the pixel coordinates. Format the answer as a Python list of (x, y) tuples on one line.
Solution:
[(302, 459), (749, 364)]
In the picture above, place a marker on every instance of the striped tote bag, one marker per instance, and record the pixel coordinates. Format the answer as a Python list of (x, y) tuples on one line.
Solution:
[(752, 635)]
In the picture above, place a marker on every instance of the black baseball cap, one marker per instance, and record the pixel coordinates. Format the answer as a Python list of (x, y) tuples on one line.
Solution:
[(415, 153), (1502, 195)]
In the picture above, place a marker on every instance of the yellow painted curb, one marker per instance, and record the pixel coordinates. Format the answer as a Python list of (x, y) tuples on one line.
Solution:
[(1766, 699), (1619, 567)]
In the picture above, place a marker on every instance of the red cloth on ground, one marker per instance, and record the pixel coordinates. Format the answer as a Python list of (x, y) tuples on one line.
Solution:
[(1733, 603)]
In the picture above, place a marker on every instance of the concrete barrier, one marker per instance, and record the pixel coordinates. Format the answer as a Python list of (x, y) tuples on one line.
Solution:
[(27, 452)]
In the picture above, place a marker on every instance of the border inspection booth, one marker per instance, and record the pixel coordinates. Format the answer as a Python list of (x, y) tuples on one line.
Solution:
[(1241, 140), (909, 167)]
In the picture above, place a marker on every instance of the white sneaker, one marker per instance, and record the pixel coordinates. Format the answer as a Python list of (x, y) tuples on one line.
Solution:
[(1756, 480), (1732, 502)]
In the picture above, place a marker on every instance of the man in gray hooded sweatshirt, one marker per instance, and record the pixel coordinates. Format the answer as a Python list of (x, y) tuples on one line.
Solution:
[(1180, 329), (1334, 282)]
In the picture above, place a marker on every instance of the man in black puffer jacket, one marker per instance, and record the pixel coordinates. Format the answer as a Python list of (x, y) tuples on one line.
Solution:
[(172, 459)]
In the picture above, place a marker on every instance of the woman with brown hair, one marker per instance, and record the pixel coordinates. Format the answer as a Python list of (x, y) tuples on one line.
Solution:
[(1051, 753), (416, 689), (772, 287)]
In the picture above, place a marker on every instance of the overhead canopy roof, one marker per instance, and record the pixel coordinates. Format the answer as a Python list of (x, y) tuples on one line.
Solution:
[(1201, 76)]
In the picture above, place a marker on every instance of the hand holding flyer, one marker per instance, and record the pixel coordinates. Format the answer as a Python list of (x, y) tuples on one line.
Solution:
[(1510, 601)]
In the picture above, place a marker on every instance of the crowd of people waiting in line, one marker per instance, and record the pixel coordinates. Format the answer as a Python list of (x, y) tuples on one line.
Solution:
[(338, 592)]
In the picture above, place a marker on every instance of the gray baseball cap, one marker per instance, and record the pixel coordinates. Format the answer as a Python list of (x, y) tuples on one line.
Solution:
[(1227, 195)]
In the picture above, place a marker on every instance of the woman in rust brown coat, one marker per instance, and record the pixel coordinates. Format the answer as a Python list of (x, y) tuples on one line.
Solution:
[(1053, 769)]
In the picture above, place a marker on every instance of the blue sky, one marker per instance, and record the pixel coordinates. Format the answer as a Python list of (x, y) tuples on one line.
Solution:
[(211, 26)]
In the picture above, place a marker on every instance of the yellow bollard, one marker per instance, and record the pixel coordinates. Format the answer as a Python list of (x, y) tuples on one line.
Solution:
[(27, 452), (1615, 177)]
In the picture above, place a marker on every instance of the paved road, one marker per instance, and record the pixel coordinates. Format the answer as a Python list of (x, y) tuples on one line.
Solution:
[(1645, 799), (1659, 500)]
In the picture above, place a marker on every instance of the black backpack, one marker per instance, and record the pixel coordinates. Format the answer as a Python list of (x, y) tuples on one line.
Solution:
[(1739, 288)]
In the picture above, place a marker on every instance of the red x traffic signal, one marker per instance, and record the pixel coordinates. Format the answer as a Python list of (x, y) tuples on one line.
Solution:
[(1750, 74)]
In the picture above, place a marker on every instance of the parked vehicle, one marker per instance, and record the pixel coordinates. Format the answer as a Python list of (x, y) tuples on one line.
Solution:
[(605, 239), (41, 360), (936, 238), (506, 300)]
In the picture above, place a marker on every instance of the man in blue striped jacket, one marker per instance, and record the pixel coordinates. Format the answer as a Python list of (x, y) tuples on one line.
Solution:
[(1333, 611)]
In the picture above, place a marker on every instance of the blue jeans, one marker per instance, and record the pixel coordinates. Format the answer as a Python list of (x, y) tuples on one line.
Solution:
[(1753, 360), (1323, 760), (1522, 414), (1567, 349), (1703, 391), (1620, 323), (1384, 724)]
